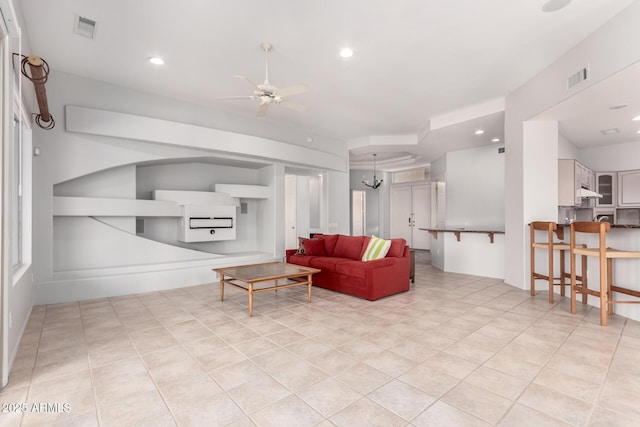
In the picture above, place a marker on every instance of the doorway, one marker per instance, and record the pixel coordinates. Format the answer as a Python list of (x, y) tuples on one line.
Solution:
[(410, 211), (358, 212), (304, 207)]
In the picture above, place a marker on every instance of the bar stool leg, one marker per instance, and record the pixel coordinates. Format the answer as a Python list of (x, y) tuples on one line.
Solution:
[(573, 282), (551, 275), (584, 279), (603, 292), (562, 273), (609, 283), (533, 264)]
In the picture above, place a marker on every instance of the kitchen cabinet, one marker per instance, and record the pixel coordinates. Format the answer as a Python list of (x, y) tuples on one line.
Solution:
[(629, 188), (606, 184), (573, 175)]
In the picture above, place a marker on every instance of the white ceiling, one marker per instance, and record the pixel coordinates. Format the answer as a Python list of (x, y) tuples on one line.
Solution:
[(583, 116), (414, 59)]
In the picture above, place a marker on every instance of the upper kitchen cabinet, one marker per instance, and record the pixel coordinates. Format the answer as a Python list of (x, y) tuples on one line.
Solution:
[(629, 188), (573, 176), (606, 185)]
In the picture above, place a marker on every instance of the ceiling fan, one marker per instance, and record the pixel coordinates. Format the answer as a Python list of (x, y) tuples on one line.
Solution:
[(267, 94)]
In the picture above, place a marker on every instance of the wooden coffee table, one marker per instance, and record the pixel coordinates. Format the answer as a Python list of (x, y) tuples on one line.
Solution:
[(251, 278)]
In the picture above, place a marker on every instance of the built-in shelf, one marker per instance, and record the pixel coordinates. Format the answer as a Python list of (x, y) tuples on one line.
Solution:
[(457, 232), (243, 191), (97, 206), (185, 197)]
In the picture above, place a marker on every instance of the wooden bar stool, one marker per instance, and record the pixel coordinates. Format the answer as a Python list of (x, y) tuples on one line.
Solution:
[(605, 256), (549, 245)]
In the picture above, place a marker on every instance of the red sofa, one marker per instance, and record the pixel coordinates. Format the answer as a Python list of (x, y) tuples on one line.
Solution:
[(339, 258)]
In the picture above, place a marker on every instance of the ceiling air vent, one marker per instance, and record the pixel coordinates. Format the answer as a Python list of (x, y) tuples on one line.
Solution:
[(85, 27), (577, 78)]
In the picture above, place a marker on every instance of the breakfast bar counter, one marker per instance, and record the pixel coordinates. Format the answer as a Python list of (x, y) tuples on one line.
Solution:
[(457, 231)]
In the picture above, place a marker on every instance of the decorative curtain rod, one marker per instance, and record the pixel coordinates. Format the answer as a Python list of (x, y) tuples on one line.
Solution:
[(36, 69)]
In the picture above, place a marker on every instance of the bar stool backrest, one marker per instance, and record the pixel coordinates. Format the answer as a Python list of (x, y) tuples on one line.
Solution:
[(549, 227), (600, 228)]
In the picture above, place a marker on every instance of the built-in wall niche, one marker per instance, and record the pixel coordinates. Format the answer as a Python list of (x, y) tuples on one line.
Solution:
[(194, 186)]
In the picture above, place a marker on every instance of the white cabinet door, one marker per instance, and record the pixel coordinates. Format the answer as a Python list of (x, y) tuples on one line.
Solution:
[(606, 185), (629, 188)]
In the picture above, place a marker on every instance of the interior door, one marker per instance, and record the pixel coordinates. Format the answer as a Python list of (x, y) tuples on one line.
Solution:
[(358, 212), (400, 213), (290, 207), (421, 210)]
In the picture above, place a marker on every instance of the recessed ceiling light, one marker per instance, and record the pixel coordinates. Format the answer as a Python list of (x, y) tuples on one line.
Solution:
[(495, 140), (346, 52), (617, 106), (610, 131), (638, 131), (479, 132), (156, 60), (636, 118), (555, 5)]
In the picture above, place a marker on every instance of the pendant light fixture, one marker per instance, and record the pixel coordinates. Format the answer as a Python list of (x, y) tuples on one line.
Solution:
[(376, 182)]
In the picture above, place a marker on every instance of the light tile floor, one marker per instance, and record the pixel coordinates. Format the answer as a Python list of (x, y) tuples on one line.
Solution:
[(455, 350)]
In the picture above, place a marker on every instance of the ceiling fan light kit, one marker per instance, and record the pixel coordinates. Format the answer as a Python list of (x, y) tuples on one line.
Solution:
[(267, 94)]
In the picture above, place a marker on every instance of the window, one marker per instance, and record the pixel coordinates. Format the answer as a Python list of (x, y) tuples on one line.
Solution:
[(413, 175), (18, 211), (16, 194)]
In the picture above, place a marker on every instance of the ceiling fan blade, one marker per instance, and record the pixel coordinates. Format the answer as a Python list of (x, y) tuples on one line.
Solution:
[(262, 110), (294, 106), (292, 90), (249, 81), (237, 97)]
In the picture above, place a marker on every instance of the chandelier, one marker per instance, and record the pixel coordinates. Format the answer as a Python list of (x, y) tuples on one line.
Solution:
[(376, 182)]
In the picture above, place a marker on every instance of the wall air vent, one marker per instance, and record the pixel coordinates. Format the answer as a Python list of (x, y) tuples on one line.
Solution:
[(85, 27), (577, 78), (500, 150)]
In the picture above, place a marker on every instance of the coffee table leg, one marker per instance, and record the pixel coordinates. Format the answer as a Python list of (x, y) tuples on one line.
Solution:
[(309, 287), (221, 287), (250, 299)]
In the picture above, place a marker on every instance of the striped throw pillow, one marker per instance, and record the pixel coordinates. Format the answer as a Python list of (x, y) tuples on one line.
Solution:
[(376, 249)]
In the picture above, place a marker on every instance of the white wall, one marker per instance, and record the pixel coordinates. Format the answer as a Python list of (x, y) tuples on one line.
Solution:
[(566, 149), (616, 157), (16, 285), (475, 188), (475, 199), (181, 156), (439, 178), (338, 207)]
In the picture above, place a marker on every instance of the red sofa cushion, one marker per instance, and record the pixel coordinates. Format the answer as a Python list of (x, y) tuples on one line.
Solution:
[(326, 263), (311, 247), (352, 269), (329, 242), (348, 247), (303, 260), (397, 248)]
